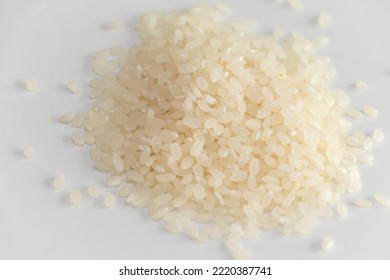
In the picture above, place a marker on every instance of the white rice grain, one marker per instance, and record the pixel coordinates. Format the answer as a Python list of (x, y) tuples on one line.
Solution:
[(378, 136), (323, 20), (242, 254), (361, 85), (327, 243), (115, 24), (67, 118), (73, 88), (109, 200), (126, 189), (59, 181), (223, 8), (114, 181), (31, 84), (75, 197), (370, 111), (93, 191), (362, 203), (77, 139), (365, 159), (355, 114), (382, 199), (295, 4), (29, 152), (342, 209)]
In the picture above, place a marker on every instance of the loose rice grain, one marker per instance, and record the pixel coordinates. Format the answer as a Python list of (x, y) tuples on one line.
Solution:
[(382, 199), (75, 197), (31, 84), (323, 20), (362, 203), (73, 88), (378, 136), (67, 118), (327, 243), (29, 152), (295, 4), (109, 200), (93, 192), (370, 111), (342, 209), (115, 24), (361, 85), (59, 181)]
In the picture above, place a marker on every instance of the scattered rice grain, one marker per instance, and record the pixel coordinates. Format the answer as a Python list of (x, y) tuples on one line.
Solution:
[(327, 243), (295, 4), (362, 203), (29, 152), (59, 181), (323, 20), (75, 197), (67, 118), (361, 85), (114, 181), (77, 139), (378, 136), (342, 209), (115, 24), (242, 254), (355, 114), (31, 84), (73, 88), (370, 111), (93, 192), (109, 200), (382, 199)]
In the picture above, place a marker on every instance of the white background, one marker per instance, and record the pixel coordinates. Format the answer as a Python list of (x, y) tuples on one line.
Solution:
[(53, 41)]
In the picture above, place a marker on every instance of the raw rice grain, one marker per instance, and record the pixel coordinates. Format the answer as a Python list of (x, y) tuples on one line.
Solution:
[(93, 192), (59, 181), (382, 199), (327, 243), (31, 84), (75, 197), (109, 200), (73, 88), (29, 152), (362, 203)]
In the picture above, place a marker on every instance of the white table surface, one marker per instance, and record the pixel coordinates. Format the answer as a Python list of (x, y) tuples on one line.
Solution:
[(53, 41)]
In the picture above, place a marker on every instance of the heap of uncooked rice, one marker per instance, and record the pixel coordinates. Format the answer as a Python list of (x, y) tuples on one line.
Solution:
[(220, 132)]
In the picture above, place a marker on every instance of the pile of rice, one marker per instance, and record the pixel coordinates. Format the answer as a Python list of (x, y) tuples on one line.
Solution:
[(220, 132)]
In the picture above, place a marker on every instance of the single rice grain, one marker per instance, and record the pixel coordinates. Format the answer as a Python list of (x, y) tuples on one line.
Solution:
[(93, 192), (382, 199), (361, 85), (31, 84), (327, 243), (109, 200), (115, 24), (323, 20), (75, 197), (29, 152), (370, 111), (73, 88), (378, 136), (59, 181), (362, 203)]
